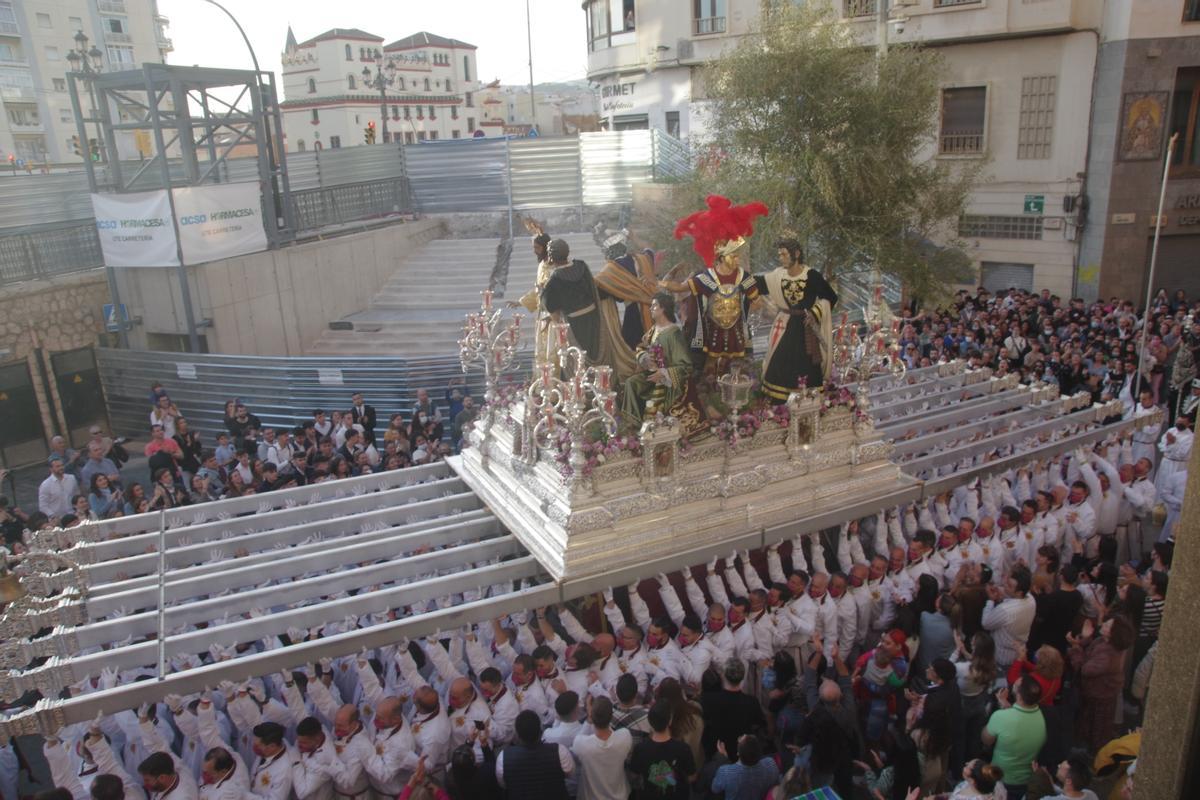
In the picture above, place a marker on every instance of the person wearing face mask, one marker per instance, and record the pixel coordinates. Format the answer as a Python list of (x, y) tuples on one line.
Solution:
[(715, 633), (1175, 446), (223, 774)]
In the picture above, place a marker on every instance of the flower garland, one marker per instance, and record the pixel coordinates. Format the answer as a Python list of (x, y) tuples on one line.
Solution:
[(595, 451)]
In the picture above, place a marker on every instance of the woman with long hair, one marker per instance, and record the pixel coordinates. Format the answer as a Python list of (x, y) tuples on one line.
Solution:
[(976, 671), (1047, 669), (1100, 592), (236, 485), (979, 782), (395, 430), (687, 722), (103, 500), (466, 780), (133, 494), (1047, 561), (1099, 657)]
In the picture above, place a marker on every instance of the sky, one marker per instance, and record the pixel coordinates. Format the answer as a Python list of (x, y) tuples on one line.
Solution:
[(203, 36)]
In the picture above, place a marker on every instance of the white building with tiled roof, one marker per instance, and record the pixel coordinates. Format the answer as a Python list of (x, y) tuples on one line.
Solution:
[(431, 83)]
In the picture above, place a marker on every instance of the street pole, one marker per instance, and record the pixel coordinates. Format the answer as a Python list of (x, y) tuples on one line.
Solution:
[(1162, 198), (382, 101), (881, 28), (273, 162), (529, 41)]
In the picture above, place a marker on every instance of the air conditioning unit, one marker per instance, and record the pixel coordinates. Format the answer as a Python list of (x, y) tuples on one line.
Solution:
[(686, 49)]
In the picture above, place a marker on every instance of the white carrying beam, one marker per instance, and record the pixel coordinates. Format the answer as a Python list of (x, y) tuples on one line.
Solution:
[(63, 539)]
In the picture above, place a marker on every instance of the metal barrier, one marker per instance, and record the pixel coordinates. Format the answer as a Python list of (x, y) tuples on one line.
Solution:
[(282, 391), (336, 205), (56, 249)]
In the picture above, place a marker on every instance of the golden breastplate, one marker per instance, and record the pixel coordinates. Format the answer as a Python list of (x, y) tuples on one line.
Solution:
[(725, 306)]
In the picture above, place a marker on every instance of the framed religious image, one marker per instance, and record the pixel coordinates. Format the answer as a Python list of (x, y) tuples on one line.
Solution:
[(1143, 119)]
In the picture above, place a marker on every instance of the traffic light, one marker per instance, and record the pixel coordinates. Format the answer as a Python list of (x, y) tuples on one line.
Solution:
[(94, 149), (369, 133), (75, 145)]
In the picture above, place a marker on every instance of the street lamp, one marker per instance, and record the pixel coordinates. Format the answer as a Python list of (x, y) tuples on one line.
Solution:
[(385, 76), (87, 63)]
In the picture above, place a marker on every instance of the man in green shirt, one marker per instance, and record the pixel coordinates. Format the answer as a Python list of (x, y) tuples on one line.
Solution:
[(1017, 733)]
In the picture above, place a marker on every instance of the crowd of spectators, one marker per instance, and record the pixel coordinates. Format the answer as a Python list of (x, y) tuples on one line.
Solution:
[(994, 642), (247, 458)]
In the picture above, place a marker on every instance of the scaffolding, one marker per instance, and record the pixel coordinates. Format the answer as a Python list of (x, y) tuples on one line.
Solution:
[(165, 127)]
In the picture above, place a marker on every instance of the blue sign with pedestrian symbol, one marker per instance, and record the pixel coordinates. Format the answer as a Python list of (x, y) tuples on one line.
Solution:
[(116, 318)]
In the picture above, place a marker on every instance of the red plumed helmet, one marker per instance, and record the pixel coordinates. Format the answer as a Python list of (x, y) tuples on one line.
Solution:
[(722, 222)]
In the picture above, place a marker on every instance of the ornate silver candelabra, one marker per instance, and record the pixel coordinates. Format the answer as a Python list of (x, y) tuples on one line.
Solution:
[(570, 404), (876, 351), (495, 346)]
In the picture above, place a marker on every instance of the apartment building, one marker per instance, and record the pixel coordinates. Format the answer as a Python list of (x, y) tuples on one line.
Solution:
[(1039, 88), (332, 94), (36, 37)]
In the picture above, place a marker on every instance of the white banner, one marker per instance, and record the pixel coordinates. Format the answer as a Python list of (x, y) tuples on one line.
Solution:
[(219, 221), (135, 229)]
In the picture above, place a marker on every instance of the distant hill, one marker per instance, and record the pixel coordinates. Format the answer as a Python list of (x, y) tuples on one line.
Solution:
[(580, 85)]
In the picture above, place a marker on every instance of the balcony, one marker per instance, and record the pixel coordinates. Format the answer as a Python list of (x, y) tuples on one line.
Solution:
[(26, 126), (18, 93), (164, 43), (961, 144), (111, 6), (9, 29), (117, 38), (703, 26), (859, 8), (952, 3)]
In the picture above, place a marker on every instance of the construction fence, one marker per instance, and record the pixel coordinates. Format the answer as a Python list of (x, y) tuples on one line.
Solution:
[(47, 227)]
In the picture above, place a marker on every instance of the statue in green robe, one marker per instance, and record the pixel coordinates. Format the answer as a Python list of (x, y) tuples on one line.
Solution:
[(664, 366)]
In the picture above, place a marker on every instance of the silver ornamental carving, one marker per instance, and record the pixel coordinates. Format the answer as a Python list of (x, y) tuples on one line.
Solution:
[(494, 346), (561, 409), (875, 351)]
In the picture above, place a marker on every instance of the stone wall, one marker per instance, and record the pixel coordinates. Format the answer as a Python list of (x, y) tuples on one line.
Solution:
[(39, 318)]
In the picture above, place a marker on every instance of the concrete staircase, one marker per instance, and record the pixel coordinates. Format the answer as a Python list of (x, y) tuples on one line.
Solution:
[(419, 311)]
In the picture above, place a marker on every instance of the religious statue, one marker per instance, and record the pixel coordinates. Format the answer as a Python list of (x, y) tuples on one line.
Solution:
[(799, 346), (724, 291), (543, 349), (629, 278), (664, 365), (570, 296)]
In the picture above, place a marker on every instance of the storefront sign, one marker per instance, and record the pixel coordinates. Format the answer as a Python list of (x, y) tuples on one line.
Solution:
[(617, 97), (1188, 201), (135, 229)]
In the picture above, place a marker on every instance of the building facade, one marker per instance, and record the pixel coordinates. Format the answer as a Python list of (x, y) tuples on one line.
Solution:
[(1147, 88), (561, 109), (36, 36), (1035, 87), (331, 94)]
